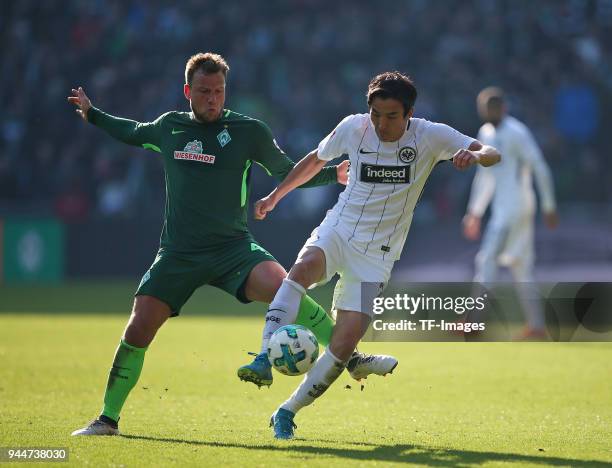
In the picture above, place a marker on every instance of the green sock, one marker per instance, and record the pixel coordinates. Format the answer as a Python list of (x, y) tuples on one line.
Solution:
[(122, 378), (313, 316)]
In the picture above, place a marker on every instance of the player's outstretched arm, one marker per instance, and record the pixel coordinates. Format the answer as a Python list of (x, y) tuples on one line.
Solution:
[(477, 153), (303, 171), (128, 131), (281, 166), (277, 164)]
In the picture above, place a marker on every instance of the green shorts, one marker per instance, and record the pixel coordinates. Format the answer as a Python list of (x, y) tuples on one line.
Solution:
[(173, 277)]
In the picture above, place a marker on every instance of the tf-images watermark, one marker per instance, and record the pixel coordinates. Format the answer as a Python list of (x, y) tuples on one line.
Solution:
[(492, 312)]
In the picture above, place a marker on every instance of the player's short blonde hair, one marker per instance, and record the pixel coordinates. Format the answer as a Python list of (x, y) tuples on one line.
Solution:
[(207, 62)]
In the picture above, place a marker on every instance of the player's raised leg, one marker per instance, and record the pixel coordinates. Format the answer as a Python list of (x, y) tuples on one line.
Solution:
[(352, 322), (284, 309), (350, 328), (148, 315), (262, 285), (288, 304)]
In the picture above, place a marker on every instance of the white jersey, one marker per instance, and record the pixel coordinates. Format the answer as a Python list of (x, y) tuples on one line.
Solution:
[(509, 183), (374, 212)]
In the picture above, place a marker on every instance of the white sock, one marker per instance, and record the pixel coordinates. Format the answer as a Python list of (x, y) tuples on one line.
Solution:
[(325, 371), (283, 310)]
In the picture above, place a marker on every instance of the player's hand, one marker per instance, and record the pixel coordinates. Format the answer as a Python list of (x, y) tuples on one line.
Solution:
[(81, 101), (264, 206), (342, 172), (463, 159), (471, 227), (551, 219)]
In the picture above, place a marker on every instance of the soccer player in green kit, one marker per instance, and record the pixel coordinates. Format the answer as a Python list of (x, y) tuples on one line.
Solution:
[(207, 155)]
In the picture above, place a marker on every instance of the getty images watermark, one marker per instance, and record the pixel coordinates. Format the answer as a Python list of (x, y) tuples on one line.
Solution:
[(492, 312)]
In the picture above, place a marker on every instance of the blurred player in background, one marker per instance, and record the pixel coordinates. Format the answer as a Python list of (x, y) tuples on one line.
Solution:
[(207, 155), (392, 155), (509, 236)]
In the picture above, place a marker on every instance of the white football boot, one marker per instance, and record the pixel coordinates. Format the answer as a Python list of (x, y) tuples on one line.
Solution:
[(97, 427), (361, 365)]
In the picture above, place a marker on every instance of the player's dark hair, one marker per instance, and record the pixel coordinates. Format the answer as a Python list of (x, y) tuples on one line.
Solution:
[(208, 63), (491, 96), (393, 85)]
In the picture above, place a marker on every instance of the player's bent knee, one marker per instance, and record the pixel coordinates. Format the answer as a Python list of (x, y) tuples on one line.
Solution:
[(300, 274), (264, 281), (275, 274), (151, 309), (309, 268)]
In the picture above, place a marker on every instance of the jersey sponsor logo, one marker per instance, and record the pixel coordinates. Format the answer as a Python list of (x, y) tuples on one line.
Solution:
[(174, 132), (361, 150), (205, 158), (407, 154), (193, 152), (385, 174), (194, 146), (224, 138)]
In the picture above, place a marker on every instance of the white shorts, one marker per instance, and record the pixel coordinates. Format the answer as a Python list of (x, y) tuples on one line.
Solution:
[(353, 267)]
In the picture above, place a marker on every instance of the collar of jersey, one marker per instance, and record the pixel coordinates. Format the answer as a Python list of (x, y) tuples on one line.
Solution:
[(224, 115), (390, 146)]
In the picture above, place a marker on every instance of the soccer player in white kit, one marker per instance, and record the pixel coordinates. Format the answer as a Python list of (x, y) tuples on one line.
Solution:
[(509, 236), (391, 156)]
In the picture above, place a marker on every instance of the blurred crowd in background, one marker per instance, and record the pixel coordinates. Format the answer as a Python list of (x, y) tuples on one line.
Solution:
[(300, 66)]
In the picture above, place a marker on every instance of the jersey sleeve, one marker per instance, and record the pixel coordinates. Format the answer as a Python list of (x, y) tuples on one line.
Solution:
[(335, 145), (445, 141), (146, 135), (277, 164), (529, 151)]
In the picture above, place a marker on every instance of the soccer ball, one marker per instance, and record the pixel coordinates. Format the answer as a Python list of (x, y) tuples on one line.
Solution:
[(293, 349)]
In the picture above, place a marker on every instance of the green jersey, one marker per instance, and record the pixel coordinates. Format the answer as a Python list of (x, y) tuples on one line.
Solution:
[(207, 170)]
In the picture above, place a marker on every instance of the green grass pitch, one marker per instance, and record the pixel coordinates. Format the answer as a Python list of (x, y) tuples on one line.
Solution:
[(447, 404)]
